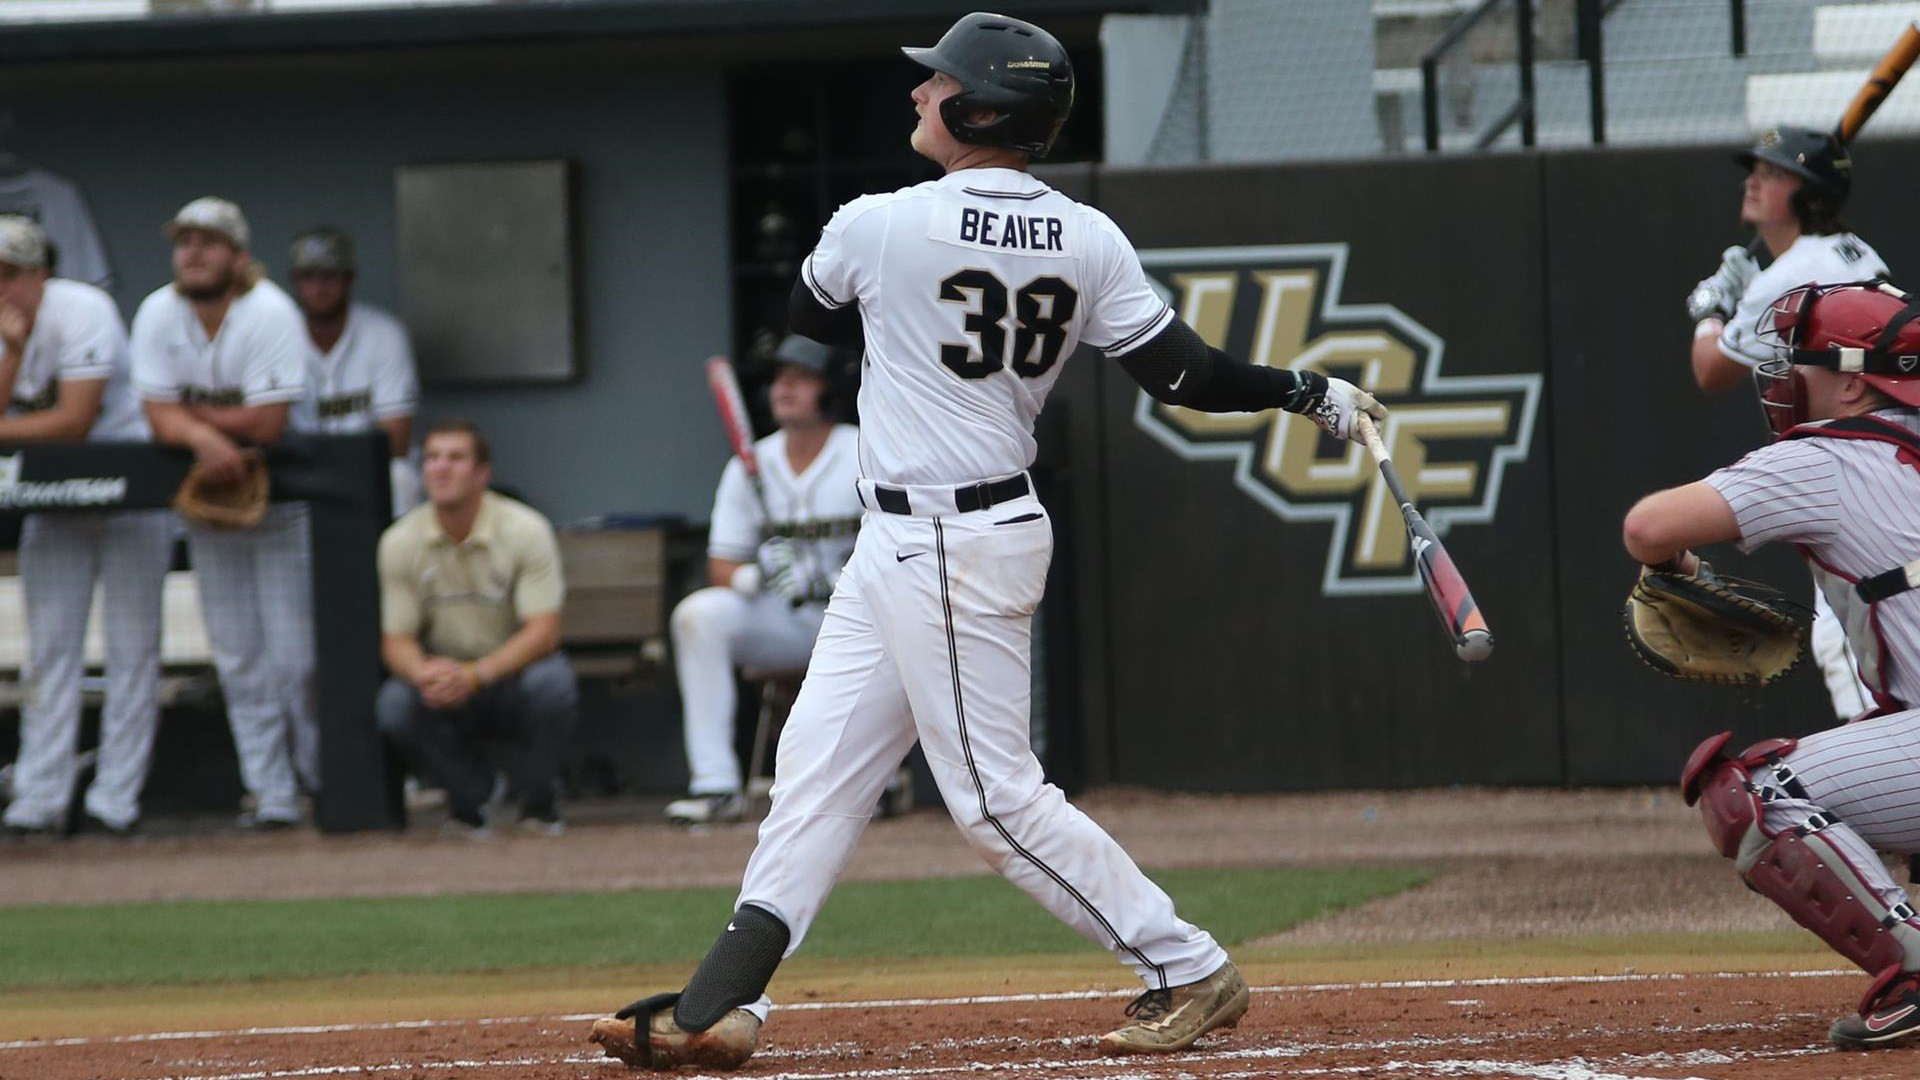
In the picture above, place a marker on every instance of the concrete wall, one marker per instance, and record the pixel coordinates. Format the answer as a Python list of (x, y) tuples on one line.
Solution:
[(306, 139)]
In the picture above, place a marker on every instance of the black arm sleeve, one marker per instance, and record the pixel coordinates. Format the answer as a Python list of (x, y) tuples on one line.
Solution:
[(807, 316), (1178, 368)]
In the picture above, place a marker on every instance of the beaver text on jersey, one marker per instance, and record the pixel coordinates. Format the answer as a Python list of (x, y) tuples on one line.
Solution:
[(990, 229)]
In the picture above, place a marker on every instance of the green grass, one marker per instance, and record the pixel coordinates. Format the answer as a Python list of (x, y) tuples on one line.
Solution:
[(186, 942)]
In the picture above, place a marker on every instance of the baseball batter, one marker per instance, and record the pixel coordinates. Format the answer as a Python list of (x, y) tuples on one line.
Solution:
[(1797, 182), (772, 560), (971, 290), (1805, 820), (65, 375), (219, 360), (360, 373)]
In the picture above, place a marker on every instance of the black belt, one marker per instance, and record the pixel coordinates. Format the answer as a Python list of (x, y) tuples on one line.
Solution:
[(966, 498), (1885, 585)]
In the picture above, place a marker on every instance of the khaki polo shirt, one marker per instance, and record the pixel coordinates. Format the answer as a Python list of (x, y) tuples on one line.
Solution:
[(464, 600)]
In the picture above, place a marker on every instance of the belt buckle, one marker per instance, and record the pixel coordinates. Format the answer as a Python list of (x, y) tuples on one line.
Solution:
[(983, 491)]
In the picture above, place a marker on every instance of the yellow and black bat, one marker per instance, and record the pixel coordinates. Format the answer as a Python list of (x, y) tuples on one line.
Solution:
[(1886, 75)]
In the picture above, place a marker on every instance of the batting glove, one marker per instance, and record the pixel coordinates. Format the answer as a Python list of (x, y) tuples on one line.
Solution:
[(779, 572), (1718, 294), (1340, 404)]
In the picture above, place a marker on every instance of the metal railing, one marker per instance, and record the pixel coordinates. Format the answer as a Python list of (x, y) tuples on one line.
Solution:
[(1588, 17), (1521, 110)]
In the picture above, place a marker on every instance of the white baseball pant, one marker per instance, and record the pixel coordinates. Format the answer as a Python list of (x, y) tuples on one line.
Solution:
[(930, 633), (61, 557), (256, 594), (716, 630)]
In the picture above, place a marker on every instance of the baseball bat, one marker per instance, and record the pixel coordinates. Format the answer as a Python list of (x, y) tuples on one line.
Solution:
[(1886, 75), (725, 384), (1459, 616), (1866, 101)]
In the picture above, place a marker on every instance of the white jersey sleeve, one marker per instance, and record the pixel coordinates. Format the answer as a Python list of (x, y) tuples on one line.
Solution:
[(1787, 492), (1825, 260), (93, 339), (154, 379), (830, 269), (1122, 308), (396, 382), (273, 352), (735, 532)]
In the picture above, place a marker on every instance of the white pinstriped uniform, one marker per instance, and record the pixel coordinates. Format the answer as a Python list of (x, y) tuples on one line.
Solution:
[(78, 337), (1829, 259), (1854, 508), (256, 588), (972, 289)]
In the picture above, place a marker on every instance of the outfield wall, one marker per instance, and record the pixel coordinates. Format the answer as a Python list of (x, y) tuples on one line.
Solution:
[(1259, 626)]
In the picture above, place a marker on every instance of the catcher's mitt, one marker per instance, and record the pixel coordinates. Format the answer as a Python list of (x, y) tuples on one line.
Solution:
[(235, 504), (1712, 628)]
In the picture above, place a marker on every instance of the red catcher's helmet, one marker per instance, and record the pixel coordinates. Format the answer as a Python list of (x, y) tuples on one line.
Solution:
[(1865, 328)]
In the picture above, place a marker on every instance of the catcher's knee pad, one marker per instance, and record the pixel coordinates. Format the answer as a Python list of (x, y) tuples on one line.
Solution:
[(1803, 872), (1729, 803), (737, 969)]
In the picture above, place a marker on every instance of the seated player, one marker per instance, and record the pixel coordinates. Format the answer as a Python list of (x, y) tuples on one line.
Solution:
[(1806, 820), (772, 560)]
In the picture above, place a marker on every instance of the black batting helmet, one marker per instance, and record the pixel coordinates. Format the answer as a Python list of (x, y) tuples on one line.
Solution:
[(1816, 157), (1012, 67)]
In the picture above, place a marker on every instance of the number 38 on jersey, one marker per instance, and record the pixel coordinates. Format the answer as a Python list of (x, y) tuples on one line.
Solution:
[(1038, 315)]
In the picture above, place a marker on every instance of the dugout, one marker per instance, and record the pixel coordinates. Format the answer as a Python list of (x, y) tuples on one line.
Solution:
[(1542, 288)]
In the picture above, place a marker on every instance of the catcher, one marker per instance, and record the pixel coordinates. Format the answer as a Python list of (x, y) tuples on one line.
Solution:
[(1806, 820)]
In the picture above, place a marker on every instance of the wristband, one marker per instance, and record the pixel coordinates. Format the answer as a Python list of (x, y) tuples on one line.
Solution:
[(1708, 327)]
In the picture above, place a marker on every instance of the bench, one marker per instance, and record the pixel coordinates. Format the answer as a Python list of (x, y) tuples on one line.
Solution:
[(613, 624), (186, 658)]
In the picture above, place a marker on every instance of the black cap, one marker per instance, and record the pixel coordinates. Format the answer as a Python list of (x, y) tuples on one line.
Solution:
[(1816, 157), (804, 352)]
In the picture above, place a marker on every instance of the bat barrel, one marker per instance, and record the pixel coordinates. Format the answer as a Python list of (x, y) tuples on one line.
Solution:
[(1474, 645)]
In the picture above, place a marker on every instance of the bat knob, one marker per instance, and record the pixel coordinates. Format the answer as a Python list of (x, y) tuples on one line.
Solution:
[(1474, 645)]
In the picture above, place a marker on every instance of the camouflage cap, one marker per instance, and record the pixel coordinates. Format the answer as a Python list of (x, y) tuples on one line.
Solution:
[(211, 214), (22, 242), (321, 248)]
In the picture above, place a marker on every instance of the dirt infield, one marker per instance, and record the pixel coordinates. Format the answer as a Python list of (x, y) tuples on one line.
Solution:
[(1751, 1027), (1511, 963)]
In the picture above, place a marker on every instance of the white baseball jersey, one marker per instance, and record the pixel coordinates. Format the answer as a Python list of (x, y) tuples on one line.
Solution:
[(818, 510), (991, 278), (1821, 260), (54, 202), (1853, 507), (256, 358), (77, 336), (368, 376)]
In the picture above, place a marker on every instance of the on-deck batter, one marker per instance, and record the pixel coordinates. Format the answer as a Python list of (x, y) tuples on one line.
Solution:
[(971, 291), (1805, 820), (218, 361), (772, 560), (1797, 181), (64, 375)]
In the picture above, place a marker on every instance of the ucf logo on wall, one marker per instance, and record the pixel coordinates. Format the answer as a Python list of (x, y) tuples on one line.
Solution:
[(1451, 437)]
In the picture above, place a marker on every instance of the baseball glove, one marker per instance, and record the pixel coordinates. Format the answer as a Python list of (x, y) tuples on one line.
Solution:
[(233, 504), (1711, 628)]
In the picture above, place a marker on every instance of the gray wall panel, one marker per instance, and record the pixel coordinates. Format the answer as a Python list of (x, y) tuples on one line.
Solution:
[(317, 139)]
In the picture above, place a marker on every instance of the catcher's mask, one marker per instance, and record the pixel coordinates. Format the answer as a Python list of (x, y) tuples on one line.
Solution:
[(1864, 328)]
